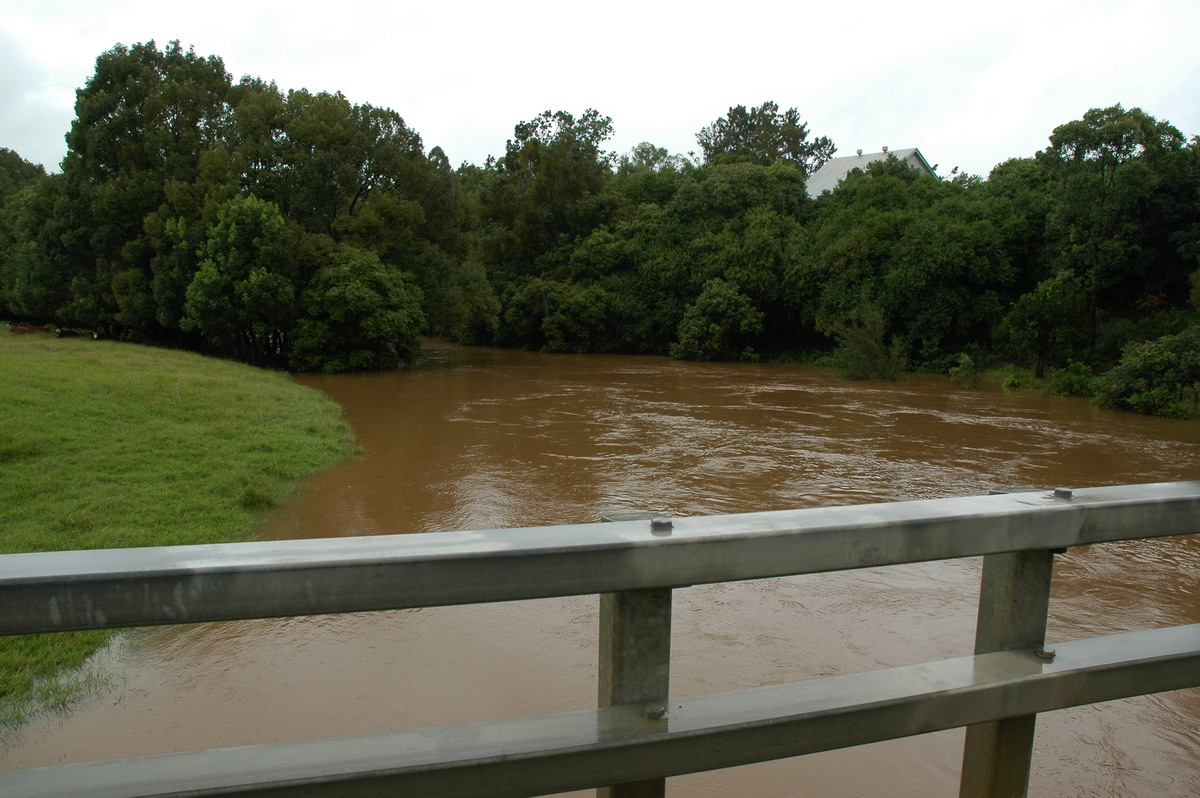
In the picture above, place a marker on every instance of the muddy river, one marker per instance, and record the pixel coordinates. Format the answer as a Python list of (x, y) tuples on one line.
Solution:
[(486, 439)]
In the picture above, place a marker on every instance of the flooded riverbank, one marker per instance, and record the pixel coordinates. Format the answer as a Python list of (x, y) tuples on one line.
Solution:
[(487, 439)]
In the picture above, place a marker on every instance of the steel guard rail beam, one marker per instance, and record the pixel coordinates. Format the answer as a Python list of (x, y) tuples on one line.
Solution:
[(115, 588), (638, 736), (576, 750)]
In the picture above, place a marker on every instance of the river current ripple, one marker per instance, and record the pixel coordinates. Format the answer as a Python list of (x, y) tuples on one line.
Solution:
[(488, 439)]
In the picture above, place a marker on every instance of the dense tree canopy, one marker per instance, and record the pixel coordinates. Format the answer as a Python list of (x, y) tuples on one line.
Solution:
[(17, 173), (302, 230), (198, 211), (243, 296), (764, 135), (1123, 192)]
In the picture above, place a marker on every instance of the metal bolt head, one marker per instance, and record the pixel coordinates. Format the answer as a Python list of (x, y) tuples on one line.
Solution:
[(661, 524), (654, 711), (1063, 493)]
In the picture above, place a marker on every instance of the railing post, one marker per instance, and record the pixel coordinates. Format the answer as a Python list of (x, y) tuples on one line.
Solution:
[(1014, 599), (635, 665), (635, 657)]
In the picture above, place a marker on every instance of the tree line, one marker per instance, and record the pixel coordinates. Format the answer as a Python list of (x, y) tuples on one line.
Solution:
[(300, 230)]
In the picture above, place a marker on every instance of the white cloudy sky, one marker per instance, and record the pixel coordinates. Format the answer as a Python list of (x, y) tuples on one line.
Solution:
[(970, 84)]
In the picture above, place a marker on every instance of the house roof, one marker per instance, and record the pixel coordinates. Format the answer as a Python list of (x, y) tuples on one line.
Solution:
[(835, 169)]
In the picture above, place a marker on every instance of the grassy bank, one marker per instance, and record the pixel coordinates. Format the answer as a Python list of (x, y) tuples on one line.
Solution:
[(109, 445)]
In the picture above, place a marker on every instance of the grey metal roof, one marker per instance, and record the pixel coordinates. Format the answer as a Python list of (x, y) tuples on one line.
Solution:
[(835, 169)]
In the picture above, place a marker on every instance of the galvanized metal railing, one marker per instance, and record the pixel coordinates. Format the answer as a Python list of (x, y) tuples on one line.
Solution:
[(638, 736)]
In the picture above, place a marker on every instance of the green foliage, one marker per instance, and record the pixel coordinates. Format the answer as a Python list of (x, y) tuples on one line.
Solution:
[(359, 314), (1019, 379), (1156, 377), (717, 325), (144, 123), (560, 245), (1074, 379), (243, 297), (1123, 190), (198, 211), (459, 301), (526, 304), (647, 162), (1046, 323), (763, 135), (585, 319), (42, 253), (966, 373), (564, 316), (1148, 322), (863, 352), (926, 252), (16, 173), (552, 189)]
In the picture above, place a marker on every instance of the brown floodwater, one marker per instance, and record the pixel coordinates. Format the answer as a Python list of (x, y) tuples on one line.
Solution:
[(486, 439)]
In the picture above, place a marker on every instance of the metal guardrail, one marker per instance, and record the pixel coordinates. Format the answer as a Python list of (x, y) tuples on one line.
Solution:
[(638, 736)]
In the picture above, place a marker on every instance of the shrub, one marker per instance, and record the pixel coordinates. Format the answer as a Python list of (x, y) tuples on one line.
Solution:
[(717, 325), (862, 353), (361, 314), (1155, 377), (1074, 380), (966, 373), (1020, 380)]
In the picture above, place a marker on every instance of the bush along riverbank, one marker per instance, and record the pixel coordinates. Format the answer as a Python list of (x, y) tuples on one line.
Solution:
[(109, 445)]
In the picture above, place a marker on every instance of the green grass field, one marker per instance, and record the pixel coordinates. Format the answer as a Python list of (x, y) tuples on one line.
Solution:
[(106, 445)]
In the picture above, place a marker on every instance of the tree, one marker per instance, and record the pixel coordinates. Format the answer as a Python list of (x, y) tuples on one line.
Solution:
[(243, 297), (1155, 377), (1121, 198), (648, 157), (649, 174), (144, 122), (178, 186), (718, 325), (1017, 198), (586, 320), (326, 158), (551, 190), (358, 175), (1046, 323), (44, 252), (764, 135), (148, 111), (359, 314), (863, 352), (562, 175), (943, 278), (17, 173), (17, 177), (922, 249)]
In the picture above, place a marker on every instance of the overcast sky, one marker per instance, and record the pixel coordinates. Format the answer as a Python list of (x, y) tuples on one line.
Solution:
[(971, 88)]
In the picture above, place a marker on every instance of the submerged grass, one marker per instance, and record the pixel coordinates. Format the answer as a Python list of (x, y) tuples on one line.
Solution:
[(106, 445)]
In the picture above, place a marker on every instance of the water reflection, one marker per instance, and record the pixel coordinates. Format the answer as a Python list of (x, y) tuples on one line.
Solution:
[(487, 439)]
